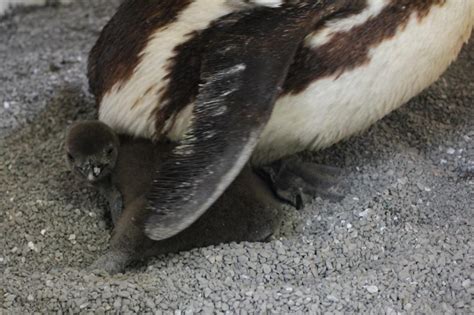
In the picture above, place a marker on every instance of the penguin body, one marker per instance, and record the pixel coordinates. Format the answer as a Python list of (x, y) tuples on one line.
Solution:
[(232, 83), (348, 73)]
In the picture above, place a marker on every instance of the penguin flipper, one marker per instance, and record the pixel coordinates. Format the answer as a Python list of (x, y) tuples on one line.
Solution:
[(242, 73)]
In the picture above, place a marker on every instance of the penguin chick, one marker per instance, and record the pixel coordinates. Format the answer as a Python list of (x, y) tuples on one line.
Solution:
[(247, 211), (91, 154), (91, 150)]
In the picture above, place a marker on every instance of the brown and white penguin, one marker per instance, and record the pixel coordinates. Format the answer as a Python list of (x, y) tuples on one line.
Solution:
[(232, 83)]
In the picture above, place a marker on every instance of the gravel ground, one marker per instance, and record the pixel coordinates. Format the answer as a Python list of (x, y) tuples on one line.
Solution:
[(400, 242)]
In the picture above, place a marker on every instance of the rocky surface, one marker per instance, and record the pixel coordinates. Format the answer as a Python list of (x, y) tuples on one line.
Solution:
[(400, 242)]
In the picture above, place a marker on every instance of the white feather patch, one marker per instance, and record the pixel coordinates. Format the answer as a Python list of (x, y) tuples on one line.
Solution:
[(253, 3)]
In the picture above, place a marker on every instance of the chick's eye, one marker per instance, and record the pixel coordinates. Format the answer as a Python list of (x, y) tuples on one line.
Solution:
[(110, 150), (70, 157)]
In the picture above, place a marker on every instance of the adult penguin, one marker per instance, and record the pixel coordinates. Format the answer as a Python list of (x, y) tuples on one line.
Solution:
[(232, 82)]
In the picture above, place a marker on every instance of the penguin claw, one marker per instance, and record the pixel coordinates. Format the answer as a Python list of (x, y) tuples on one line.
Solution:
[(296, 182)]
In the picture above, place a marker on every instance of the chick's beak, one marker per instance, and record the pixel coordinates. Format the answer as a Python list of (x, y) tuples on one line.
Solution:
[(96, 170), (93, 173)]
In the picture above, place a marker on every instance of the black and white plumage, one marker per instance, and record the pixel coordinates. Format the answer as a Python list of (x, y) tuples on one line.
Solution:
[(333, 67)]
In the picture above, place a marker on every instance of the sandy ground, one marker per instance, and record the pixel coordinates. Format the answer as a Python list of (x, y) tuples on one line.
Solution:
[(400, 242)]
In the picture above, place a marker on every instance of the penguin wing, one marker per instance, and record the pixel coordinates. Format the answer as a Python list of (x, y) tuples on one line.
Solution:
[(242, 72)]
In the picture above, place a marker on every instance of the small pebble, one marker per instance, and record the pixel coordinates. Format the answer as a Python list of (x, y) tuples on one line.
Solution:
[(32, 246), (372, 289), (364, 213)]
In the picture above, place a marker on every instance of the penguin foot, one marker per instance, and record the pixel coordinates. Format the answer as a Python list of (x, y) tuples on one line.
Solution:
[(294, 181), (112, 262)]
